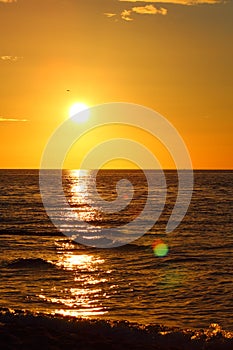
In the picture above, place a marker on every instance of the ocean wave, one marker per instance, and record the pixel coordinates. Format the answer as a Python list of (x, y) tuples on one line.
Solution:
[(185, 259), (29, 263), (132, 247), (31, 231), (25, 330)]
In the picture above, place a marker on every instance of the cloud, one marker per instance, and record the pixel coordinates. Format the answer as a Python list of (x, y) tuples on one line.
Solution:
[(149, 10), (109, 15), (126, 15), (10, 58), (8, 1), (178, 2), (142, 10), (2, 119)]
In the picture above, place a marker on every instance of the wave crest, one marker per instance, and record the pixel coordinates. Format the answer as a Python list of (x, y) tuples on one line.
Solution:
[(37, 330), (29, 263)]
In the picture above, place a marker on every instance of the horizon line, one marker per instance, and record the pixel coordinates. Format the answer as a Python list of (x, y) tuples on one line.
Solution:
[(165, 169)]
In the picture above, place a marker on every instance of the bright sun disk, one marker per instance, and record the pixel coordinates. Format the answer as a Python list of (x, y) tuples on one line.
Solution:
[(75, 110)]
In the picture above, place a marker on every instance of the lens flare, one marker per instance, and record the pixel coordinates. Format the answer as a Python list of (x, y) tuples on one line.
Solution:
[(78, 227), (160, 248)]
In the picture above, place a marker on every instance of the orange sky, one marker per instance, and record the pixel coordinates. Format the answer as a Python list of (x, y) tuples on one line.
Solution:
[(172, 56)]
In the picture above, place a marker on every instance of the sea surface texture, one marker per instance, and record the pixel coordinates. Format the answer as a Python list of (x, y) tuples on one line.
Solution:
[(42, 270)]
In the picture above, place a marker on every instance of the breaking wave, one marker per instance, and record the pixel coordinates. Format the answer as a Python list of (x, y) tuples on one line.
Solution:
[(29, 263), (27, 330)]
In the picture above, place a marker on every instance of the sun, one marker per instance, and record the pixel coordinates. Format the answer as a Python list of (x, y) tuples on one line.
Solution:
[(76, 108)]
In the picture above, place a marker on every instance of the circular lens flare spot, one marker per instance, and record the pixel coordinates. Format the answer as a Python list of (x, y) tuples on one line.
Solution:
[(160, 248)]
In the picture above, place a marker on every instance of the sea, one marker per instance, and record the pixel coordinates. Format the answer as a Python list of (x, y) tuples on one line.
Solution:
[(189, 285)]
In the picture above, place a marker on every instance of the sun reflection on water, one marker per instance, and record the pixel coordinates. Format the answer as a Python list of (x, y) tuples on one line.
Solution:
[(82, 297), (80, 313), (78, 191), (79, 261)]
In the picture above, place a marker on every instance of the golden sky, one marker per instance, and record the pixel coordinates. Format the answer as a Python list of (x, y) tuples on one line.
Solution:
[(174, 56)]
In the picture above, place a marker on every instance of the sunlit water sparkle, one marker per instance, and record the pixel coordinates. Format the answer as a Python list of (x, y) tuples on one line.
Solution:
[(190, 287)]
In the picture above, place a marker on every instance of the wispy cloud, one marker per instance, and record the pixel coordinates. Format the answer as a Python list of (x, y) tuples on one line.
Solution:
[(3, 119), (8, 1), (10, 58), (179, 2), (149, 10), (109, 15)]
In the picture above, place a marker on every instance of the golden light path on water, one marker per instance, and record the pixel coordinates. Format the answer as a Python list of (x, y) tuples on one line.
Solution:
[(83, 298), (85, 295), (78, 195)]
